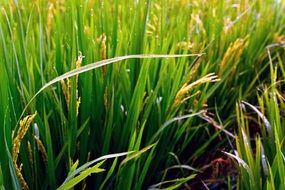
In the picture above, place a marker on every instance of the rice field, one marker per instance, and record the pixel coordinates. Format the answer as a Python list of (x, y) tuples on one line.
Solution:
[(120, 94)]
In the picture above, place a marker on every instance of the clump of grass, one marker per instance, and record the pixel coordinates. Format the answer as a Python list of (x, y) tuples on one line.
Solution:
[(259, 143), (181, 67)]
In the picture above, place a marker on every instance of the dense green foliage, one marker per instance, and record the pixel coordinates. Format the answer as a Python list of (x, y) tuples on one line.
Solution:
[(210, 120)]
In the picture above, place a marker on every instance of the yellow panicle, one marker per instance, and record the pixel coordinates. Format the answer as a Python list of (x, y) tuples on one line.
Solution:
[(24, 126), (30, 153), (102, 44), (50, 16), (232, 56), (183, 94), (42, 149), (66, 85)]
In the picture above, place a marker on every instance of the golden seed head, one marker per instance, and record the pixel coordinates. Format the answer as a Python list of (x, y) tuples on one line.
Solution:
[(77, 105), (24, 126), (233, 54), (183, 94), (102, 42), (65, 85), (79, 59), (30, 153), (42, 149), (50, 16)]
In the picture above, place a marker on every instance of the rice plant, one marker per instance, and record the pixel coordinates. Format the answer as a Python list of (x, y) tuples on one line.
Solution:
[(142, 94)]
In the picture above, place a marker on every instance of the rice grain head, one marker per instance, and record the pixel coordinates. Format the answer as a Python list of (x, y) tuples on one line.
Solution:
[(232, 56), (66, 85), (24, 126), (102, 44), (42, 149), (183, 94)]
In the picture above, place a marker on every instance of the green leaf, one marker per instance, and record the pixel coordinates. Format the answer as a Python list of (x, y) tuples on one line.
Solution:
[(110, 172), (175, 183), (1, 179), (137, 154), (86, 165), (74, 166), (72, 182)]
